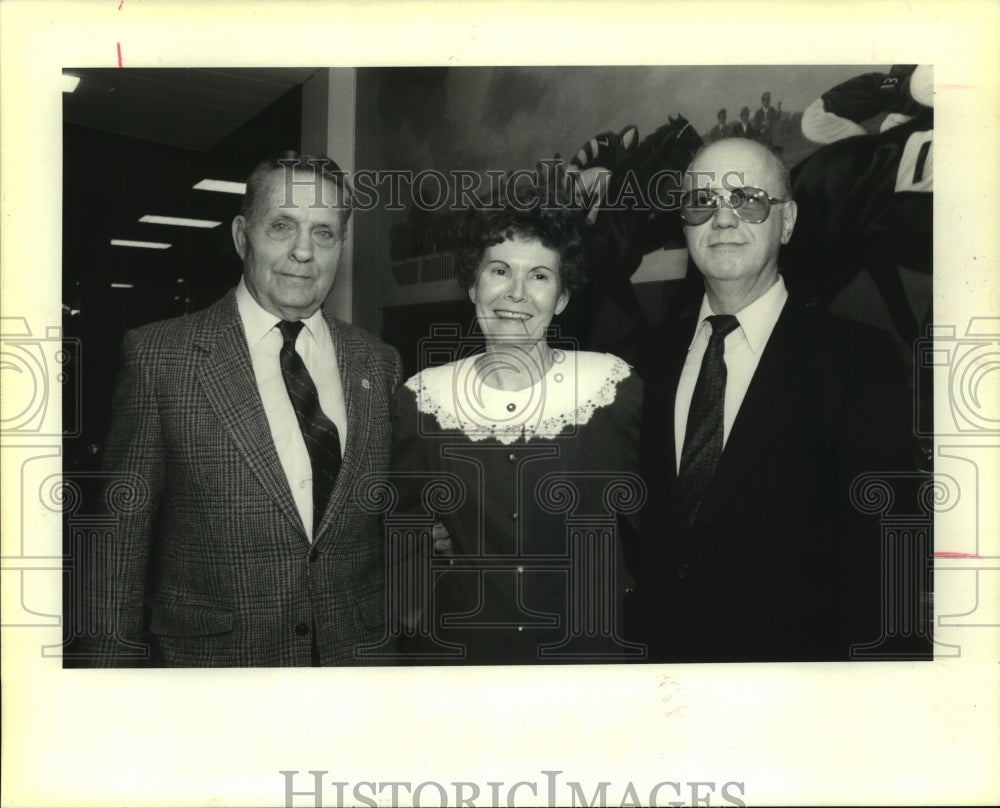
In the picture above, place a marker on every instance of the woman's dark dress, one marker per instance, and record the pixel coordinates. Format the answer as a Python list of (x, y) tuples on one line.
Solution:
[(537, 466)]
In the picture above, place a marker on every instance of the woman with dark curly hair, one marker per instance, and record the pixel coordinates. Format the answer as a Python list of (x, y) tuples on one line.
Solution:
[(540, 444)]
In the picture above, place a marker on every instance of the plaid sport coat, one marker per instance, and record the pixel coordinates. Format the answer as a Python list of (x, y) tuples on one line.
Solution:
[(210, 564)]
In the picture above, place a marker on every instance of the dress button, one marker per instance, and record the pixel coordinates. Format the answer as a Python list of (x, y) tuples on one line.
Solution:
[(682, 571), (520, 628), (520, 570), (313, 557), (302, 629), (514, 515), (512, 457)]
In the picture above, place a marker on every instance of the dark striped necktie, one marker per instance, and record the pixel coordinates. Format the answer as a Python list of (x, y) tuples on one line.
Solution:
[(703, 435), (320, 433)]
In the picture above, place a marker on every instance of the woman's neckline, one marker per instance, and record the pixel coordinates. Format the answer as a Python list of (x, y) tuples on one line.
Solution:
[(503, 364)]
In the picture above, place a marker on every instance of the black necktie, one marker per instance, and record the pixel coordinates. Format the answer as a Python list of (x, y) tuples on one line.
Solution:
[(703, 436), (320, 433)]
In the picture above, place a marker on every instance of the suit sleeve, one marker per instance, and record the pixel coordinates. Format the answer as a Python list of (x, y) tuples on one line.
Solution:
[(409, 473), (628, 404), (876, 453), (134, 458)]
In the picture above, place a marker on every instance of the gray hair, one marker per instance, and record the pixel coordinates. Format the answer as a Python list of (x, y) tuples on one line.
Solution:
[(329, 170)]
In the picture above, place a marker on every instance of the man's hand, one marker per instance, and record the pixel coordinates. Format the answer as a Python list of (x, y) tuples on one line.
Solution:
[(442, 540)]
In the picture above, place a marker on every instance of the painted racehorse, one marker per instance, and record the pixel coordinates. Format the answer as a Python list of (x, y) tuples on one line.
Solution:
[(633, 191), (865, 203)]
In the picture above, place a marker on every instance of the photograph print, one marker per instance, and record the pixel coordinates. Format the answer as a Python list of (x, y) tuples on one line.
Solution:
[(502, 366)]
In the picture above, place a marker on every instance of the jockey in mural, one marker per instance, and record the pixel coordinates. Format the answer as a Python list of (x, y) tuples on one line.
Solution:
[(902, 93)]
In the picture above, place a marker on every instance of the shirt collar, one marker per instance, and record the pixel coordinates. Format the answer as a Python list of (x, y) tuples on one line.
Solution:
[(258, 322), (757, 320)]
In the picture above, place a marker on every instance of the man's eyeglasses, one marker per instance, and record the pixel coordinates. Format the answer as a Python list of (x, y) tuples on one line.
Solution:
[(751, 205)]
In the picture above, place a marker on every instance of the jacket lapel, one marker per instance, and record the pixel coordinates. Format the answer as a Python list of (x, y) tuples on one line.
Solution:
[(226, 375), (357, 376), (677, 351), (660, 363)]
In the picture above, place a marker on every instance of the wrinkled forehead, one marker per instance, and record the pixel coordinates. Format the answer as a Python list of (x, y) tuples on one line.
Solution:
[(301, 192), (722, 169)]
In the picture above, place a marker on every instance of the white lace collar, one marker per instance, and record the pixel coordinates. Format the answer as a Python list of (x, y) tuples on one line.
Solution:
[(577, 384)]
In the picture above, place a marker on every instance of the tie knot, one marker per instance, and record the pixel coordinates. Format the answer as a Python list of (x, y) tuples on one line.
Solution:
[(722, 325), (290, 330)]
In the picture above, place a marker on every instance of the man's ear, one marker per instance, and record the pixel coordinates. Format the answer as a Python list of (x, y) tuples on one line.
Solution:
[(472, 294), (240, 235), (788, 215)]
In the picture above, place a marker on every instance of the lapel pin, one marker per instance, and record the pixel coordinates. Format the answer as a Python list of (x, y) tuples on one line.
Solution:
[(365, 383)]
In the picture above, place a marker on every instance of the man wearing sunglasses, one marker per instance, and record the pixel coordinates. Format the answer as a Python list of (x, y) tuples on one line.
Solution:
[(752, 438)]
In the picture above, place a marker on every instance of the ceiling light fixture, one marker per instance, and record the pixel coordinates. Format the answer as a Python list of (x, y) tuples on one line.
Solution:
[(222, 186), (149, 245), (179, 221)]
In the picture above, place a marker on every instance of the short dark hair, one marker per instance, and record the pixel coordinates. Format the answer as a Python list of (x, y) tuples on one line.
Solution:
[(329, 170), (560, 227), (720, 113)]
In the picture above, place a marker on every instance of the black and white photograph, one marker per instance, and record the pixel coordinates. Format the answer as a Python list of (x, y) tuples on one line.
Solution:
[(604, 406), (545, 496)]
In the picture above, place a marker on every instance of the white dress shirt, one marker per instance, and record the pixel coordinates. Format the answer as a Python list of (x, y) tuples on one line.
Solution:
[(315, 345), (743, 350)]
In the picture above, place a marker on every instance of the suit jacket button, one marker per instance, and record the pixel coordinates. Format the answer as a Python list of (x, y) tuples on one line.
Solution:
[(302, 629), (313, 557), (682, 571)]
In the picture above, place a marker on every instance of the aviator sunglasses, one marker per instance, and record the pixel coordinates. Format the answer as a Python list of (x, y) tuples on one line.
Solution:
[(751, 205)]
